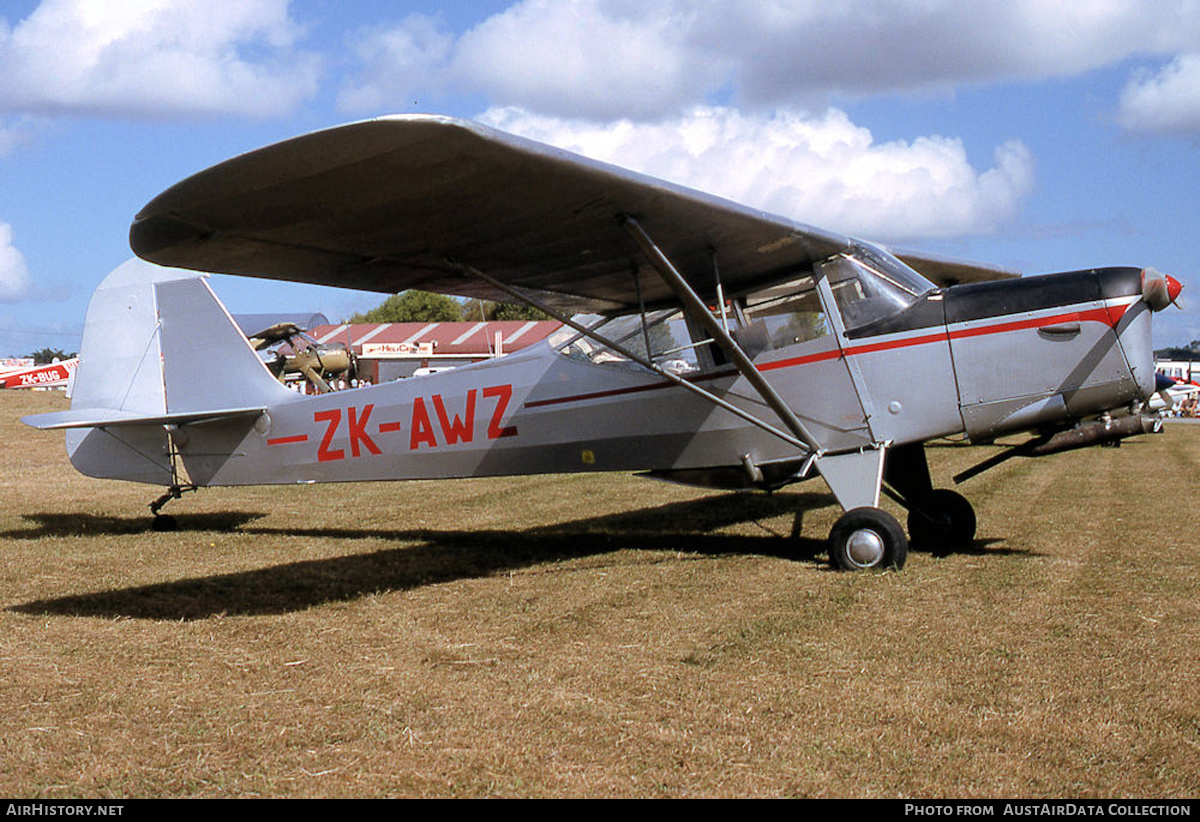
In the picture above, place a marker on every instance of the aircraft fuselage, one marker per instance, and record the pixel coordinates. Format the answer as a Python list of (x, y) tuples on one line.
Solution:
[(978, 359)]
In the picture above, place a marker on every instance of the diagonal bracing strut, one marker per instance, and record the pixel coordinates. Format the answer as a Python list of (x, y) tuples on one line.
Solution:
[(695, 306), (528, 299)]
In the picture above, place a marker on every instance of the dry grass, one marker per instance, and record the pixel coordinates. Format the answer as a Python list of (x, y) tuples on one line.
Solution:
[(595, 636)]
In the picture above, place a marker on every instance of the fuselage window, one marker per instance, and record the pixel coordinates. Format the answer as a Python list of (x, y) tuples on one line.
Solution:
[(783, 315), (663, 339)]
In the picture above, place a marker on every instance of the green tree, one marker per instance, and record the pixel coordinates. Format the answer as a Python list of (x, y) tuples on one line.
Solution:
[(48, 355), (410, 307), (476, 310), (516, 311), (1178, 352)]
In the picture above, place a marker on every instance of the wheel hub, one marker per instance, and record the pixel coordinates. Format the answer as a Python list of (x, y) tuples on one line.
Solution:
[(865, 548)]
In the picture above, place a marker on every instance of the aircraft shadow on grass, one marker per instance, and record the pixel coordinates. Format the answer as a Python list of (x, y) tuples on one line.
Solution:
[(439, 555)]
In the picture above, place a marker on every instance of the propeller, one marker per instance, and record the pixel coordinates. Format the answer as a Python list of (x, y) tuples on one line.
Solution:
[(1160, 290)]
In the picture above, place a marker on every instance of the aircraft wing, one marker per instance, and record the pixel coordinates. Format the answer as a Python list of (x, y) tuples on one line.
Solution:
[(273, 334), (399, 202), (951, 271)]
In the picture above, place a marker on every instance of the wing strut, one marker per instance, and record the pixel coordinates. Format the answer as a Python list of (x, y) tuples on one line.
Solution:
[(528, 299), (696, 307)]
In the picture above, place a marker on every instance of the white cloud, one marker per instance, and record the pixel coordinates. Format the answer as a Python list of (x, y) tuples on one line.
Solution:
[(591, 58), (570, 56), (14, 273), (1168, 101), (15, 131), (611, 58), (155, 58), (883, 46), (402, 62), (822, 170)]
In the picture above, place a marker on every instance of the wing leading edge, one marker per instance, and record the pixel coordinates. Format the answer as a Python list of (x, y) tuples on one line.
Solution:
[(399, 202)]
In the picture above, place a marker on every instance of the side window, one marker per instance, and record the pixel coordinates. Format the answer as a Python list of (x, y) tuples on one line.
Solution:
[(783, 315), (666, 332)]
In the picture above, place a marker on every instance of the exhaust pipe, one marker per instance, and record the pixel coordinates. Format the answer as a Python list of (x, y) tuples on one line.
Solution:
[(1095, 433), (1088, 434)]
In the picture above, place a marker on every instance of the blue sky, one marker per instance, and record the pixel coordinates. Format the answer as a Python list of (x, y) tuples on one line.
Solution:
[(1043, 136)]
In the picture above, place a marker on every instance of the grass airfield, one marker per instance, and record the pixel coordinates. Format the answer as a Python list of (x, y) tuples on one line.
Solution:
[(596, 635)]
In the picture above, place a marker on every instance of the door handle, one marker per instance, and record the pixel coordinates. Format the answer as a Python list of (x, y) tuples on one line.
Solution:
[(1059, 331)]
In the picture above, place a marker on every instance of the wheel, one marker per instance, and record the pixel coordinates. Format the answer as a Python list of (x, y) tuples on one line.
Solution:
[(866, 538), (946, 525)]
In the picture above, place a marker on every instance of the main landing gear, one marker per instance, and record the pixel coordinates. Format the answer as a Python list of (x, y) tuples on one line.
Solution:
[(944, 524), (940, 521)]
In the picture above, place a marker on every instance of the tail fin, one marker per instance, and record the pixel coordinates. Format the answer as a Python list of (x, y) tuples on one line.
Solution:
[(158, 348), (208, 364)]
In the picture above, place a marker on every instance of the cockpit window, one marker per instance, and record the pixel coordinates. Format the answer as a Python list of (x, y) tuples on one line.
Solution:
[(870, 284)]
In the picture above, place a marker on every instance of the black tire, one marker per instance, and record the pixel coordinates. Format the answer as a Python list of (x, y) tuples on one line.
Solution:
[(867, 539), (946, 525)]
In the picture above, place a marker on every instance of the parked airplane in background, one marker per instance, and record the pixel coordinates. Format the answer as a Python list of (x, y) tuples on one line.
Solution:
[(1179, 370), (1175, 397), (303, 355), (808, 352), (52, 375)]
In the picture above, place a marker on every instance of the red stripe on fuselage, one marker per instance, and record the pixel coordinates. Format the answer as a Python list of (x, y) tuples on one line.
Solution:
[(1108, 315), (1101, 315), (288, 440)]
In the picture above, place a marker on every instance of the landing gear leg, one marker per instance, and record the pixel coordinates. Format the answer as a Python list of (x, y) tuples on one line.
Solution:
[(177, 437), (865, 537)]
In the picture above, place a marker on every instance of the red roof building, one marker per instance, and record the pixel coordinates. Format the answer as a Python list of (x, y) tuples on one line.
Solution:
[(390, 351)]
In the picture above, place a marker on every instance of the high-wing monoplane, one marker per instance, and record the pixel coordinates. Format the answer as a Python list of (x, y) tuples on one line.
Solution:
[(702, 341)]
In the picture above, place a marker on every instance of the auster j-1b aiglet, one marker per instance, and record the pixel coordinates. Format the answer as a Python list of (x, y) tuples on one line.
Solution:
[(703, 341)]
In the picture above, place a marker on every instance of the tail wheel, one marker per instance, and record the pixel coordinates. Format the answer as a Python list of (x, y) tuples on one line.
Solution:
[(867, 538), (945, 525)]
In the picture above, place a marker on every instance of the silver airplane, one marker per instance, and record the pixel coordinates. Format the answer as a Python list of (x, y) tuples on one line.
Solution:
[(702, 342)]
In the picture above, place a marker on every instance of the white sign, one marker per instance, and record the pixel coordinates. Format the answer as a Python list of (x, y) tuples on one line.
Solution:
[(400, 349)]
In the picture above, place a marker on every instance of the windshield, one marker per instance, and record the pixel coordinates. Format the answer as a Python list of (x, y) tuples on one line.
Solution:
[(870, 284)]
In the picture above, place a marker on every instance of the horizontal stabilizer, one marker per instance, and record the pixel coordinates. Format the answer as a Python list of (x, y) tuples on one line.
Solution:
[(108, 417)]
